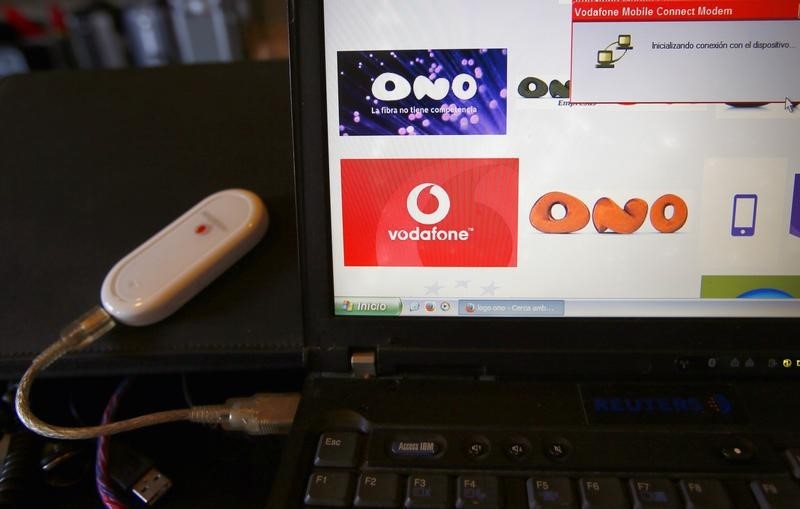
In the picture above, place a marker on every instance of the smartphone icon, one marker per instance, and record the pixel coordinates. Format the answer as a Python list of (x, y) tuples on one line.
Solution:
[(744, 215), (794, 222)]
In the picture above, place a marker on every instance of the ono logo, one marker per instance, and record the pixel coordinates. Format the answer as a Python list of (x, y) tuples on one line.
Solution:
[(393, 87), (534, 88), (668, 214), (420, 92), (438, 193)]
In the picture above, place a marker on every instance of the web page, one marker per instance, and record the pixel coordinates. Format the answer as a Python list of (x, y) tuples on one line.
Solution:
[(551, 158)]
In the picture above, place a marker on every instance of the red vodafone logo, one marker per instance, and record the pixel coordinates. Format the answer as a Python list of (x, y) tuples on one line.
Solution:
[(430, 212), (442, 209)]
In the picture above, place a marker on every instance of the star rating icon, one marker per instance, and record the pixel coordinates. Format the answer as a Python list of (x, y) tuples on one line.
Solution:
[(433, 289), (489, 289)]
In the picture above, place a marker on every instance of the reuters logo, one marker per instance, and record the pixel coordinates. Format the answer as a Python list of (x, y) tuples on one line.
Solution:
[(443, 208)]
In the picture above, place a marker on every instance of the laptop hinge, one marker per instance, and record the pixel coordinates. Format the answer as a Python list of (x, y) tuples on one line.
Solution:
[(362, 363)]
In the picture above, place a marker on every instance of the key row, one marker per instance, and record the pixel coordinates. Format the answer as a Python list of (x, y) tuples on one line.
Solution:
[(344, 450), (386, 490)]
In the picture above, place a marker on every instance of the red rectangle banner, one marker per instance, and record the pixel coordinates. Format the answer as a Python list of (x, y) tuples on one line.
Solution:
[(684, 10)]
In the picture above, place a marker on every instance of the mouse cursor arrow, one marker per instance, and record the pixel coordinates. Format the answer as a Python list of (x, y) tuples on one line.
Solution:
[(789, 105)]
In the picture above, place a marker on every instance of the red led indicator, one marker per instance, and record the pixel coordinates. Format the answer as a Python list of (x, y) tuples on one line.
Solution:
[(201, 229)]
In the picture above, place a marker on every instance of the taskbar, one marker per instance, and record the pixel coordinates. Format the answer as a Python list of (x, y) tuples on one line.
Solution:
[(543, 308)]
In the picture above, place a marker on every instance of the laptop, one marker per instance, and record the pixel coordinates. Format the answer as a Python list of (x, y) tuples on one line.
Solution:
[(550, 255)]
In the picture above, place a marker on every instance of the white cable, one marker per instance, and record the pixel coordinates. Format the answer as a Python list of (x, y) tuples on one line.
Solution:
[(79, 334)]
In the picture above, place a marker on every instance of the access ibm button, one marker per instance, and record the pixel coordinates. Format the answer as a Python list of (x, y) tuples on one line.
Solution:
[(338, 449), (416, 448)]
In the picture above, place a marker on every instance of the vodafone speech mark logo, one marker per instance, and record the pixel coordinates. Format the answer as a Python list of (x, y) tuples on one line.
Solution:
[(430, 212), (434, 217), (429, 218)]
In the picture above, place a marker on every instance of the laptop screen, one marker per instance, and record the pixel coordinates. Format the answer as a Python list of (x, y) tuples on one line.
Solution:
[(567, 159)]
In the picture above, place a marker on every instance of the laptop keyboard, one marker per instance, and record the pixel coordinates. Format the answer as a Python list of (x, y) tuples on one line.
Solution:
[(345, 475)]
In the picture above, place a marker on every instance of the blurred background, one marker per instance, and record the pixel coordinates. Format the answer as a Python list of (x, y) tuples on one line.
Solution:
[(39, 35)]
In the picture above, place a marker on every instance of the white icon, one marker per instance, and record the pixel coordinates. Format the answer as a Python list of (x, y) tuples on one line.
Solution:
[(463, 86), (428, 218)]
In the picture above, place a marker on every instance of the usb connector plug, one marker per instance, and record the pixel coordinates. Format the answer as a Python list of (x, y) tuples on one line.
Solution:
[(137, 474)]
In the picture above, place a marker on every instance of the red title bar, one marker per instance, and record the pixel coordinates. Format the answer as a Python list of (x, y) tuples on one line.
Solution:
[(684, 10)]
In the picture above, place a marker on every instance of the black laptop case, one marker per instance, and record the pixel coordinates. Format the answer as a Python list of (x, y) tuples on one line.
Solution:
[(94, 163)]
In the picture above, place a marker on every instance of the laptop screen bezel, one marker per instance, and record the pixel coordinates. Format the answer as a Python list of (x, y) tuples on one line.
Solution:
[(608, 336)]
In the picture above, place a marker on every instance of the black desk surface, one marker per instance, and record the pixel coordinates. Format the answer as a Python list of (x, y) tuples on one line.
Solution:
[(94, 163)]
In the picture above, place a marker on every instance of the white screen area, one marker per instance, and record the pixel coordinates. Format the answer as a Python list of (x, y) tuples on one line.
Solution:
[(744, 213), (464, 182)]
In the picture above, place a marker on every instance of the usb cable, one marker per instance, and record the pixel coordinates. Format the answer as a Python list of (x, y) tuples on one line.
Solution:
[(259, 414)]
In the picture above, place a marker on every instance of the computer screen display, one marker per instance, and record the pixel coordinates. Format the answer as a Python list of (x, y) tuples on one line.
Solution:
[(553, 158)]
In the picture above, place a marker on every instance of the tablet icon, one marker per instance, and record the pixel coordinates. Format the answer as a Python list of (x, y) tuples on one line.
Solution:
[(744, 215)]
